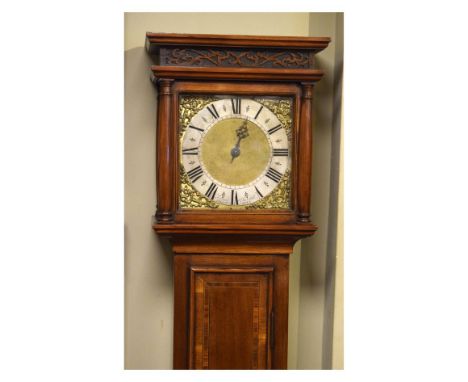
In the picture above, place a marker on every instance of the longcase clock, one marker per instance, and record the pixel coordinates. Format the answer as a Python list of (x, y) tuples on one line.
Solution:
[(234, 157)]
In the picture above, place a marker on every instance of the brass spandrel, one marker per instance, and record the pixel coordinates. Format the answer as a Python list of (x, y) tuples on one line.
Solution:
[(279, 198), (282, 108), (188, 107), (191, 198)]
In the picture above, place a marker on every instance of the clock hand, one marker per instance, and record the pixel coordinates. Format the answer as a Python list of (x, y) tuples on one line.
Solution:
[(241, 132)]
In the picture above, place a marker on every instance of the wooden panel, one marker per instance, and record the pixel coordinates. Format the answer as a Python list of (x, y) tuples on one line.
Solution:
[(219, 73), (270, 272), (295, 231), (244, 88), (230, 246), (230, 311)]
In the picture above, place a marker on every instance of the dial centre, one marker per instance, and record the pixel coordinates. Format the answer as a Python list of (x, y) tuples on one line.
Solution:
[(232, 159)]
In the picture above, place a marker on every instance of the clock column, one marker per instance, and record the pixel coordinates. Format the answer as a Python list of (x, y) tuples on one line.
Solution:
[(305, 155), (164, 154)]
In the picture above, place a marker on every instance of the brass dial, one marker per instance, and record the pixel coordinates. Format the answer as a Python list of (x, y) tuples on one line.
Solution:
[(235, 151)]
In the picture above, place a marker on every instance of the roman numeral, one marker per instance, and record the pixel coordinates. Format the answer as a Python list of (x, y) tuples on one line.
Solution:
[(191, 151), (274, 129), (195, 173), (236, 105), (211, 192), (196, 128), (280, 152), (273, 175), (258, 112), (234, 200), (213, 111), (258, 192)]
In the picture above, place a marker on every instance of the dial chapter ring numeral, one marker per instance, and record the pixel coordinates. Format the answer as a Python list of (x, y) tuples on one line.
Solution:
[(212, 109), (273, 175), (211, 192), (195, 173), (274, 129), (236, 105), (258, 112), (196, 128), (234, 199), (190, 151), (280, 152)]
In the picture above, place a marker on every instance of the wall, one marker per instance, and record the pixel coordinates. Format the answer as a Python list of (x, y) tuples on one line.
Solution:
[(288, 24), (338, 314), (318, 255), (148, 278), (148, 270), (337, 357)]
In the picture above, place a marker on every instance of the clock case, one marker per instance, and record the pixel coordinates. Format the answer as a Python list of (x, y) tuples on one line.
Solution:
[(234, 247)]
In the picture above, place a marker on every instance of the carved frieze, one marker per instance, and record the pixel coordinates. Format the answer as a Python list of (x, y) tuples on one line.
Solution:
[(231, 57)]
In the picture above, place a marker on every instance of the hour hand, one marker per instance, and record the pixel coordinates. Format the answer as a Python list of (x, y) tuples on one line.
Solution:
[(242, 132), (235, 152)]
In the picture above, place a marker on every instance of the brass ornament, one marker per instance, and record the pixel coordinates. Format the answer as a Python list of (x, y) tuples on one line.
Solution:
[(188, 107), (279, 198), (190, 198), (282, 108)]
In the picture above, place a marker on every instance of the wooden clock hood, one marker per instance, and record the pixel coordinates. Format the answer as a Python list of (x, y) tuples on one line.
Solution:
[(252, 63)]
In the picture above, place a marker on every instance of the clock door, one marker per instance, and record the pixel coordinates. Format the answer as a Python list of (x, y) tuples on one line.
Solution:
[(230, 317), (230, 310)]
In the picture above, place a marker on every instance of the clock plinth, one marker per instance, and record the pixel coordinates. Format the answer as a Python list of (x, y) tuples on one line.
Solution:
[(234, 157)]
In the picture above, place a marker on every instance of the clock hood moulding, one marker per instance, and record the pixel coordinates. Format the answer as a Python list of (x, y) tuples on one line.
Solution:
[(226, 51), (168, 39)]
